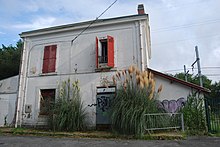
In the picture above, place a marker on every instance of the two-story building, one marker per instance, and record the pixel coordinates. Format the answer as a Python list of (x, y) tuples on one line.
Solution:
[(78, 52)]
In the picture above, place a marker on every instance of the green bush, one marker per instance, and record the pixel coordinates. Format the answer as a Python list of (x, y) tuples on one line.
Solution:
[(135, 97), (67, 113), (194, 114)]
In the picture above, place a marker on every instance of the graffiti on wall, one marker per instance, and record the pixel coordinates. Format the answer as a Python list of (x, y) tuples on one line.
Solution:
[(172, 106), (103, 103)]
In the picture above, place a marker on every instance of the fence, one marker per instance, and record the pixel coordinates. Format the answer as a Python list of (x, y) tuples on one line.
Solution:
[(213, 114), (161, 121)]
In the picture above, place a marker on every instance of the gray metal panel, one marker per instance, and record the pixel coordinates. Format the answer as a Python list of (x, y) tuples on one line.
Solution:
[(103, 102)]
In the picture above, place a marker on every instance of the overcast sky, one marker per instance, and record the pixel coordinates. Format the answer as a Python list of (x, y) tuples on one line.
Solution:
[(177, 26)]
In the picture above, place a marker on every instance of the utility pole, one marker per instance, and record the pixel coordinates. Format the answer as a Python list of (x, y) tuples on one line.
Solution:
[(198, 64), (186, 73)]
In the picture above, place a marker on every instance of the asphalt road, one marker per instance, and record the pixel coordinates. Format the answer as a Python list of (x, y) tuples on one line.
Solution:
[(33, 141)]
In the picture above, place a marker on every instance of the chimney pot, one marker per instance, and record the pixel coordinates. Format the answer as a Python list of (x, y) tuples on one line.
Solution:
[(141, 9)]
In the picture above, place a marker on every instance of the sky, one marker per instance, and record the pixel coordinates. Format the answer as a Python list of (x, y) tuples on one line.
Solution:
[(177, 26)]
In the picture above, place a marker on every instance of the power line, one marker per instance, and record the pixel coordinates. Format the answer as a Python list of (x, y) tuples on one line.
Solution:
[(181, 40), (205, 67), (185, 26), (212, 75), (93, 21)]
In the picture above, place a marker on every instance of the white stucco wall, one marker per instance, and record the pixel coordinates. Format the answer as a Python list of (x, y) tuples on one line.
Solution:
[(171, 90), (8, 96), (173, 95)]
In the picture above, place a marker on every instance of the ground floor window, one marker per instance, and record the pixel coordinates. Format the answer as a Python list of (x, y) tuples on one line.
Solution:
[(47, 98)]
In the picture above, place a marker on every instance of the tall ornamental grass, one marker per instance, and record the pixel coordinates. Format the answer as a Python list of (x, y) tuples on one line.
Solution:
[(135, 97), (68, 113)]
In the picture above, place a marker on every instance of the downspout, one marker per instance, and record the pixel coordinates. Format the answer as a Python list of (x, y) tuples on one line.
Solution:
[(18, 86), (21, 78), (141, 45)]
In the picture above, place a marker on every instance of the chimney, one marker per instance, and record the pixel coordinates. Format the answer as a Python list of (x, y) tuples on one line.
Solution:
[(141, 9)]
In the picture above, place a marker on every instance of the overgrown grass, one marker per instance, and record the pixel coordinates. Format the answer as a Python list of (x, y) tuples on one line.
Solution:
[(135, 97), (194, 115), (67, 113), (19, 131)]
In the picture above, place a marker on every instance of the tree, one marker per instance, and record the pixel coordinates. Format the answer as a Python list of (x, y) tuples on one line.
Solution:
[(207, 83), (195, 79), (10, 60)]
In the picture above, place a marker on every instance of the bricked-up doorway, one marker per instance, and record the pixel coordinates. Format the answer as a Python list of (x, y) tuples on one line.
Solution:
[(46, 100)]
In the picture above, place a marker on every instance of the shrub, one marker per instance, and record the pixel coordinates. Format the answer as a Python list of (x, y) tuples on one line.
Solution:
[(135, 97), (194, 114), (67, 113)]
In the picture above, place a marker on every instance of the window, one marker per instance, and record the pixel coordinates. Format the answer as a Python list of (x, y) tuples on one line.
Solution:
[(105, 52), (47, 98), (49, 60)]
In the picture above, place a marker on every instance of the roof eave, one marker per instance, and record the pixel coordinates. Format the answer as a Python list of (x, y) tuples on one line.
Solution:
[(203, 89), (81, 25)]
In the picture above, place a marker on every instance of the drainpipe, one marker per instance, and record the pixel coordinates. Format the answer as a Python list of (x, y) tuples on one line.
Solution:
[(20, 87), (141, 45)]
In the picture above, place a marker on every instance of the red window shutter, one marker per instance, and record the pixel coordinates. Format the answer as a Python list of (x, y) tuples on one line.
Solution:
[(46, 59), (53, 51), (46, 52), (52, 65), (110, 41), (97, 52), (45, 66), (49, 61), (52, 62)]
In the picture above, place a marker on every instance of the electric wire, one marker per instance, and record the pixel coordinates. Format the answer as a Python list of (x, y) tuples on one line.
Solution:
[(171, 28), (185, 39), (93, 21)]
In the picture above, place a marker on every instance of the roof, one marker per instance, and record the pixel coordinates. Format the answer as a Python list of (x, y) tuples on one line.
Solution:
[(85, 24), (179, 81)]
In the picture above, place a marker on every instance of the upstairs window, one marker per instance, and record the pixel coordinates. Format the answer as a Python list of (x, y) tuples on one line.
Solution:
[(49, 60), (105, 52)]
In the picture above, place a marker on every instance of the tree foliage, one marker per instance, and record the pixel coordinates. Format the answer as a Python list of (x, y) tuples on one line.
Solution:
[(195, 79), (10, 60), (207, 83)]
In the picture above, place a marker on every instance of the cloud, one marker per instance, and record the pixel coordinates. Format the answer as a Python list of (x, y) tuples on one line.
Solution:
[(40, 22)]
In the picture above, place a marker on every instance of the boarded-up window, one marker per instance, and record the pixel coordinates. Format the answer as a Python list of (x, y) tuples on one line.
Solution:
[(49, 60), (105, 52), (47, 99)]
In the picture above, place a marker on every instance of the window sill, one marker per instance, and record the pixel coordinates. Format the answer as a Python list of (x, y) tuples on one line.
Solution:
[(105, 69), (48, 74)]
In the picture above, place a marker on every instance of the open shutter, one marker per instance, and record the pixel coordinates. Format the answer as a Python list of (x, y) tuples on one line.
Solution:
[(110, 41), (97, 52), (46, 59)]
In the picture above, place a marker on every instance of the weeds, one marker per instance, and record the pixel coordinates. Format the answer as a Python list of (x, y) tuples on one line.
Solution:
[(68, 113), (194, 115)]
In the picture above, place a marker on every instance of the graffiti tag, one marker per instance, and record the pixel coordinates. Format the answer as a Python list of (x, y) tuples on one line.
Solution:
[(103, 103), (172, 106)]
